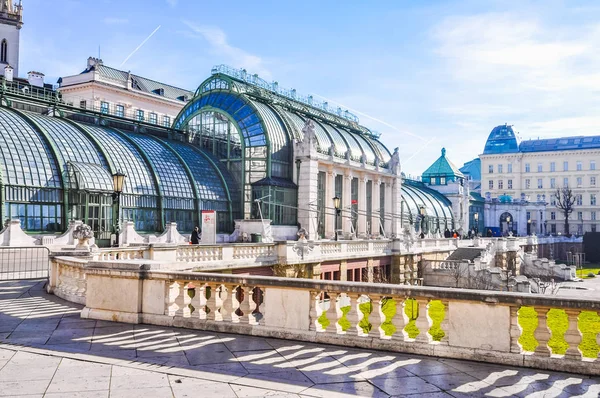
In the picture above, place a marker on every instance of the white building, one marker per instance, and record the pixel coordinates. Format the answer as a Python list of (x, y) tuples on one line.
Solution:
[(11, 21), (519, 182), (123, 94)]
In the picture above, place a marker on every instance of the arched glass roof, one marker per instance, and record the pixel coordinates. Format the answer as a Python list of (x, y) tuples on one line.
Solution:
[(502, 139), (26, 157), (298, 122), (172, 175), (125, 157), (341, 146), (90, 177), (416, 194), (277, 133)]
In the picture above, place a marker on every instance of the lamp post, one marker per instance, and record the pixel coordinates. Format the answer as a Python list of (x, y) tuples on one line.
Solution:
[(338, 211), (507, 225), (476, 217), (529, 226), (545, 227), (118, 182), (422, 211)]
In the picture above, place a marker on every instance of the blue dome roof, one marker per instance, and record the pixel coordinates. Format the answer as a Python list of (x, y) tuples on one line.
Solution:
[(502, 139)]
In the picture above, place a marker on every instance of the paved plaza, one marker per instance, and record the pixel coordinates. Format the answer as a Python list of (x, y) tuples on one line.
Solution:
[(47, 350)]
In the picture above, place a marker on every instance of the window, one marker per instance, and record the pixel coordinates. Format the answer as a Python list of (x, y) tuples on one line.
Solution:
[(527, 168), (442, 180), (579, 181), (500, 184), (153, 118), (510, 167), (592, 165), (580, 215), (499, 168), (553, 215), (104, 107), (540, 168), (579, 166), (509, 184), (83, 104), (4, 52), (166, 121), (553, 228), (593, 227), (140, 115), (593, 181), (566, 182), (491, 184), (552, 166), (566, 166), (579, 229), (491, 169), (540, 183), (528, 215), (527, 183), (593, 199), (579, 199), (593, 216), (553, 183), (120, 111), (553, 200)]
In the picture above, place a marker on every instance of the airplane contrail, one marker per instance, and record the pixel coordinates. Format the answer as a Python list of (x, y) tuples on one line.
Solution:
[(375, 119), (140, 46), (417, 152)]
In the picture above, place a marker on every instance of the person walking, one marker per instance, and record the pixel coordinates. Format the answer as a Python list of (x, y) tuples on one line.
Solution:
[(195, 236)]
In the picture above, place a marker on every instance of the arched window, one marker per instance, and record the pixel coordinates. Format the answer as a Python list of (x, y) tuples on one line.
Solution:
[(3, 51)]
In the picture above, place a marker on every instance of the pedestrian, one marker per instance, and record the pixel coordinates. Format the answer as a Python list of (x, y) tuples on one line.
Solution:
[(195, 236), (489, 233), (455, 235), (447, 233)]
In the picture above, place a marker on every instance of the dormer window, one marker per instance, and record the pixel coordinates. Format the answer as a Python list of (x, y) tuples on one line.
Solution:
[(183, 98), (160, 91), (442, 180)]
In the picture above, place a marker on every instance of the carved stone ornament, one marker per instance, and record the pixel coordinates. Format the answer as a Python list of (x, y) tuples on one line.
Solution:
[(394, 164), (308, 132), (83, 233)]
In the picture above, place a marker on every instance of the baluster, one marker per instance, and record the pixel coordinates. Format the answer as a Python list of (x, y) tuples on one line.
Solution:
[(173, 293), (515, 330), (257, 301), (410, 313), (207, 302), (322, 305), (542, 333), (422, 322), (332, 313), (343, 305), (227, 297), (240, 304), (364, 308), (573, 336), (315, 311), (189, 292), (220, 294), (438, 331)]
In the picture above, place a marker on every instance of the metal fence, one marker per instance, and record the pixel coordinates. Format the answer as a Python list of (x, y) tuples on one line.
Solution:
[(24, 262)]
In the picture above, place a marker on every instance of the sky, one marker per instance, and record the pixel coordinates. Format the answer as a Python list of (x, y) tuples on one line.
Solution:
[(426, 75)]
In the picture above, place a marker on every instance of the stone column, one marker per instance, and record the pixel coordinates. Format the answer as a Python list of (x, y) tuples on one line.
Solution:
[(388, 210), (396, 206), (329, 210), (362, 206), (307, 196), (375, 201), (347, 204)]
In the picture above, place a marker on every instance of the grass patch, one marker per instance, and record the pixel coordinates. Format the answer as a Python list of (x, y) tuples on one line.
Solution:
[(558, 323), (528, 321), (388, 307), (587, 269), (411, 309), (589, 325), (437, 314), (366, 308), (343, 321)]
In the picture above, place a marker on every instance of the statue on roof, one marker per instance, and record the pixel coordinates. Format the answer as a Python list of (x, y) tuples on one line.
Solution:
[(394, 164), (308, 131)]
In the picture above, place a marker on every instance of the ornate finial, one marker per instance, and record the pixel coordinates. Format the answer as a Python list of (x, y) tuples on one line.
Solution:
[(444, 152)]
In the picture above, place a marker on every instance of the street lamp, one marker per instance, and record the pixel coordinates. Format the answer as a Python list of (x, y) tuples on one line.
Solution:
[(545, 227), (507, 225), (529, 226), (118, 182), (422, 211), (338, 211), (476, 217)]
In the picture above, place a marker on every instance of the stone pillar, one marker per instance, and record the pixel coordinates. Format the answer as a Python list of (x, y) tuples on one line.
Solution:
[(343, 270), (362, 206), (329, 210), (375, 201), (396, 206), (347, 204), (388, 210), (306, 153)]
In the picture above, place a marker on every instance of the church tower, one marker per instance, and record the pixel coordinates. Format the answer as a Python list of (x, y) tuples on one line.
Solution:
[(11, 20)]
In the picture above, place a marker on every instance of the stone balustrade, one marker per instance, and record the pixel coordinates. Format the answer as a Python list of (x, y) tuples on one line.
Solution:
[(549, 332), (67, 279), (122, 253)]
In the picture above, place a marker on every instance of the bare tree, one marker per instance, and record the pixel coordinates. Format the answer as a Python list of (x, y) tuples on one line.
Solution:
[(458, 273), (565, 201)]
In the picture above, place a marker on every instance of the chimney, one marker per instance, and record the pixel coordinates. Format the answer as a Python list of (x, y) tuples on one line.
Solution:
[(92, 61), (35, 78), (8, 73)]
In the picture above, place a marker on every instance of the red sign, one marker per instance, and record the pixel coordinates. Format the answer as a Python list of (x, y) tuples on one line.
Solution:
[(354, 202)]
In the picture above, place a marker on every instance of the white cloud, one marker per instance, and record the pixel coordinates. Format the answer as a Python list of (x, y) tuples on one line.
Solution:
[(172, 3), (232, 55), (115, 21)]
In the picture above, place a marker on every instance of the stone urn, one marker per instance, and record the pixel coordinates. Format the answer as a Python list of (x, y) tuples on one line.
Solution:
[(83, 233)]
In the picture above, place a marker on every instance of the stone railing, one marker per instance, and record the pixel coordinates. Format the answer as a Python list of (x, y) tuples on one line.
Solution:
[(549, 332), (253, 252), (445, 265), (122, 253), (198, 253), (68, 279)]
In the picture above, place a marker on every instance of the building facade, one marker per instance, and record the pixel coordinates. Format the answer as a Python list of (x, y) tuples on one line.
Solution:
[(11, 21), (520, 182)]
